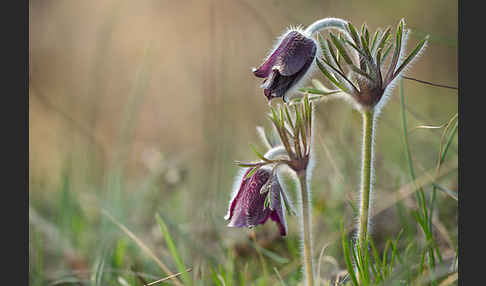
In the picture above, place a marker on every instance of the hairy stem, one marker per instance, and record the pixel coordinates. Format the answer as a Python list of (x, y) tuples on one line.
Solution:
[(325, 24), (306, 228), (366, 177)]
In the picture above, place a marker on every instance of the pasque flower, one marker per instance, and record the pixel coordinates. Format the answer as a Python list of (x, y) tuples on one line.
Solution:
[(356, 65), (258, 198), (257, 193), (287, 64)]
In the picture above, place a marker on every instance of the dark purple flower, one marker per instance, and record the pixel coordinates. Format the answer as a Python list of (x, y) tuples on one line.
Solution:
[(287, 64), (247, 207)]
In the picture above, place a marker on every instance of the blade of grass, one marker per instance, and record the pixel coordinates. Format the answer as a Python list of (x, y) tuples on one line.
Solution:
[(279, 276), (142, 246), (173, 250), (168, 277)]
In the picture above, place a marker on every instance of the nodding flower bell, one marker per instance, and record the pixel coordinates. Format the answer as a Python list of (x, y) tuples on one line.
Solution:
[(258, 198), (287, 64)]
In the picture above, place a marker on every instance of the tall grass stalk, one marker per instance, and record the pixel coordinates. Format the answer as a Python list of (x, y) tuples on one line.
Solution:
[(422, 215)]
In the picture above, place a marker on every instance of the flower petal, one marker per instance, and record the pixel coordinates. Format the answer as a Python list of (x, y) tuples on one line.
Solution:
[(248, 208), (282, 84), (234, 200), (297, 51), (278, 212), (265, 69)]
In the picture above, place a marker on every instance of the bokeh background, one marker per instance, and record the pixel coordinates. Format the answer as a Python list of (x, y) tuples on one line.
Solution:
[(141, 107)]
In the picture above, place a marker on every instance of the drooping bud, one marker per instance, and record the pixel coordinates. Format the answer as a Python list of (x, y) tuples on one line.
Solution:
[(287, 64), (248, 208)]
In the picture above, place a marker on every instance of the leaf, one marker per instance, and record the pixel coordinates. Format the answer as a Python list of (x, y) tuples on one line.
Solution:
[(410, 57), (259, 155), (317, 91), (450, 193), (334, 56), (354, 34), (365, 39), (355, 89), (347, 258), (251, 173), (338, 43), (173, 250), (375, 38), (329, 76), (289, 118), (396, 53), (325, 49), (385, 54), (384, 38), (321, 41)]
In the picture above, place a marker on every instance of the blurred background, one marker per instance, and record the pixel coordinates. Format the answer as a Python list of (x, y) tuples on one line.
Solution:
[(140, 108)]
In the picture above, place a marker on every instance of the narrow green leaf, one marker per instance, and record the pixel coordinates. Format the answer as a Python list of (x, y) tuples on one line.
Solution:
[(173, 251), (354, 34), (365, 34), (374, 41), (355, 89), (384, 39), (322, 43), (334, 56), (317, 91), (274, 114), (270, 254), (326, 50), (378, 64), (396, 53), (367, 60), (279, 276), (450, 193), (363, 54), (308, 108), (259, 155), (289, 118), (385, 254), (355, 251), (341, 49), (347, 258), (329, 76), (410, 57), (365, 38), (385, 54), (377, 260), (251, 173), (449, 142), (298, 120)]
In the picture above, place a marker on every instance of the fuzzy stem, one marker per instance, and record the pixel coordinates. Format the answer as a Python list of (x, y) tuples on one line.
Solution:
[(366, 177), (326, 23), (306, 228)]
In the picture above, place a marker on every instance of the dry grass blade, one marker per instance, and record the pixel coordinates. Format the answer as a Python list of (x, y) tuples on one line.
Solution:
[(413, 186), (449, 280), (168, 277), (221, 279), (279, 276), (319, 261), (52, 233), (143, 247), (401, 194), (331, 159)]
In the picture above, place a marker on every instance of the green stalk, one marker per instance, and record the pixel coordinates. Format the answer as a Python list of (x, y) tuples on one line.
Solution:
[(306, 225), (366, 173)]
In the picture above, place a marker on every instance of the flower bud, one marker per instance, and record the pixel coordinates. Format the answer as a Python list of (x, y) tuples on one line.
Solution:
[(287, 64)]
